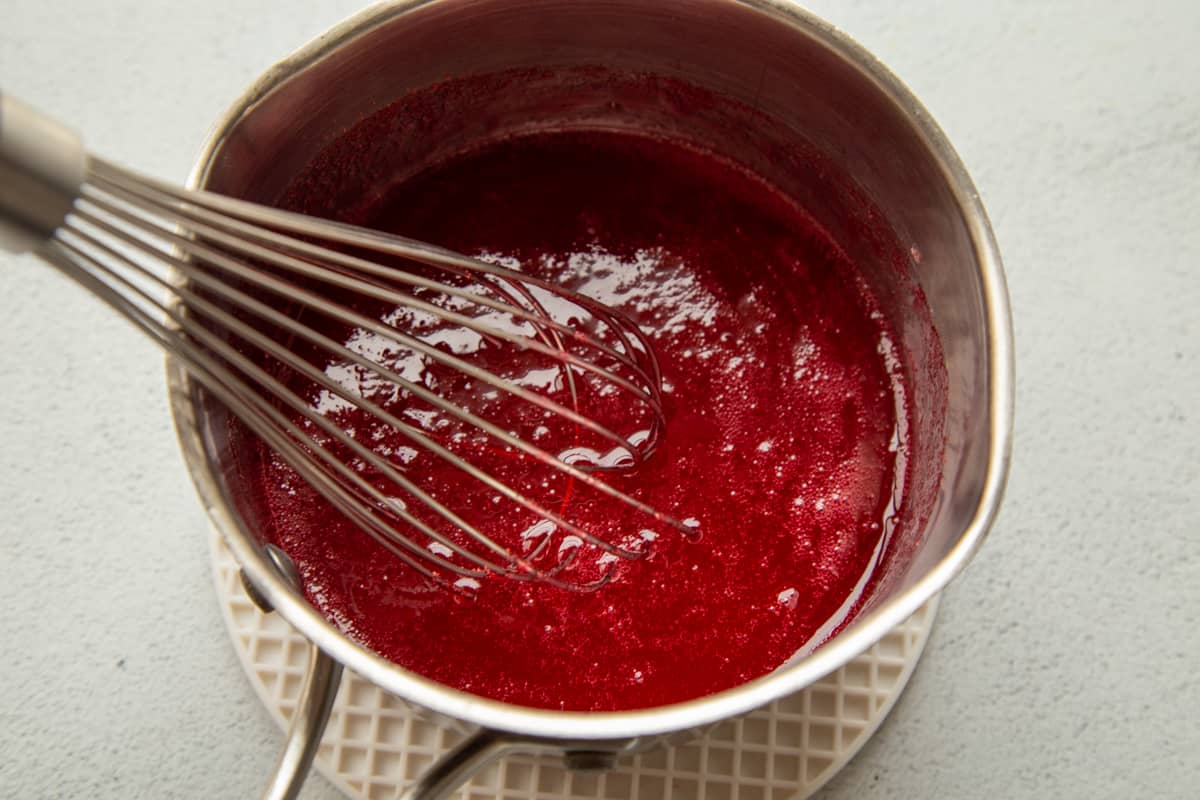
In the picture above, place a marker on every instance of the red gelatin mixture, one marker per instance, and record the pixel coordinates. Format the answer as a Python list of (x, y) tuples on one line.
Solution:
[(785, 410)]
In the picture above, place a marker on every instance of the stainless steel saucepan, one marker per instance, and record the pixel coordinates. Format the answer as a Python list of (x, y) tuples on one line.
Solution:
[(810, 89)]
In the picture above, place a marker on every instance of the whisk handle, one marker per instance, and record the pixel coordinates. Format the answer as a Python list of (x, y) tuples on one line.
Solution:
[(42, 167)]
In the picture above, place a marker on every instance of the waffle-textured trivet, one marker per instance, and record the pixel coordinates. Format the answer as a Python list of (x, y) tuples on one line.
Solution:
[(786, 751)]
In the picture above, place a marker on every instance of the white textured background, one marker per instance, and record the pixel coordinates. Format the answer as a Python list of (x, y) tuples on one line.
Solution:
[(1064, 662)]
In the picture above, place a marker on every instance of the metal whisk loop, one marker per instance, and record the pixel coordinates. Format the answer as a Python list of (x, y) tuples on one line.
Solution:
[(204, 215), (196, 303), (206, 264)]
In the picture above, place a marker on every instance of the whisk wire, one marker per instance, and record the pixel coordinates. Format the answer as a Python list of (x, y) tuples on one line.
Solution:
[(363, 490), (102, 279), (181, 265), (198, 211), (286, 323), (310, 270), (192, 300), (266, 222)]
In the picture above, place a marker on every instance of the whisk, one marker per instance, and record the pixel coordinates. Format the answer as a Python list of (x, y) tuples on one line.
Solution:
[(243, 296)]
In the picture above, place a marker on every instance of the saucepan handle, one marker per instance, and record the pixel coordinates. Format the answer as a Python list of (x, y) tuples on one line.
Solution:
[(322, 678)]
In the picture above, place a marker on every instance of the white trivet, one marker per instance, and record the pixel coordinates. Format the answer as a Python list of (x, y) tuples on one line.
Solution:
[(786, 751)]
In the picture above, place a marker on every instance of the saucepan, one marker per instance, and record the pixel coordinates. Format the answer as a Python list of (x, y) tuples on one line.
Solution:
[(807, 104)]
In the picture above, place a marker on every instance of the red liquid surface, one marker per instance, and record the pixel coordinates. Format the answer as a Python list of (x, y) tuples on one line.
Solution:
[(781, 445)]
